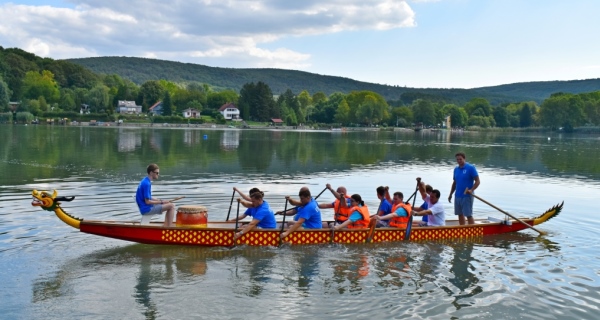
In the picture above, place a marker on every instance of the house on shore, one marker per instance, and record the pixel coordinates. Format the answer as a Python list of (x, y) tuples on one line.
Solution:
[(129, 107), (230, 111), (191, 113), (276, 122), (156, 109)]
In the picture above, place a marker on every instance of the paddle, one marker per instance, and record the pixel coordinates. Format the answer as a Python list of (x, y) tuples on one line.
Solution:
[(335, 218), (230, 203), (237, 216), (410, 216), (283, 222), (372, 224), (508, 214)]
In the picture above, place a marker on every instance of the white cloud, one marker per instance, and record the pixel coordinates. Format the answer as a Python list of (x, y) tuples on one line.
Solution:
[(192, 31)]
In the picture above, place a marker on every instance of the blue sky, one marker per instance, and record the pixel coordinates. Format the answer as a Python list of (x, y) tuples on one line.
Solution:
[(414, 43)]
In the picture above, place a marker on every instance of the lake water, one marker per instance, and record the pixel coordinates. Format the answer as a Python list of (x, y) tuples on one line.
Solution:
[(52, 271)]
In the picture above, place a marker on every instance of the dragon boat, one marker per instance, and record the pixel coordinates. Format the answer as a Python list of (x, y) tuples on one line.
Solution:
[(221, 233)]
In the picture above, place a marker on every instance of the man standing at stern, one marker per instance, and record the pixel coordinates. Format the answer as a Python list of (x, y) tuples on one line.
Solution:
[(465, 177)]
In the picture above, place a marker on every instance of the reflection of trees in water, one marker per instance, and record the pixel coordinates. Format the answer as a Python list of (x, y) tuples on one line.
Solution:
[(253, 270), (97, 151), (157, 265)]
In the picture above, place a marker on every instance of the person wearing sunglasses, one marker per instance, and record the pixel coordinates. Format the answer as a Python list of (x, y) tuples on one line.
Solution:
[(150, 206)]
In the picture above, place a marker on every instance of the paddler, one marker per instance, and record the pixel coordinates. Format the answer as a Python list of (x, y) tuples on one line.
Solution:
[(307, 215), (359, 214), (262, 215), (400, 213), (341, 212)]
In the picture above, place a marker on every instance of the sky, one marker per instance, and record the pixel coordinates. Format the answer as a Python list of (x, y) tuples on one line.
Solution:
[(412, 43)]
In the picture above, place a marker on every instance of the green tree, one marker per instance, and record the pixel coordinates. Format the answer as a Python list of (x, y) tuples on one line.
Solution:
[(478, 104), (167, 105), (98, 99), (424, 112), (67, 100), (257, 99), (562, 110), (4, 96), (501, 117), (525, 116), (37, 84), (458, 116), (342, 114), (401, 116), (318, 97), (215, 100), (150, 92)]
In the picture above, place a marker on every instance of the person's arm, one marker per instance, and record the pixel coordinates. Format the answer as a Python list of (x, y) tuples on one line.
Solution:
[(246, 197), (289, 212), (387, 216), (240, 218), (452, 190), (387, 194), (475, 185), (293, 228), (325, 205), (333, 192), (154, 201), (246, 204), (343, 225), (422, 188), (247, 228), (293, 202), (421, 213)]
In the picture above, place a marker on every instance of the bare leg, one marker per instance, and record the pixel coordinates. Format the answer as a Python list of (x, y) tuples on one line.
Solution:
[(170, 209), (461, 219), (471, 220)]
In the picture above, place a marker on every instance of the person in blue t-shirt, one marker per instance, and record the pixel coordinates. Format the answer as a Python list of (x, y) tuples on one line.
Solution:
[(465, 181), (147, 204), (307, 215), (385, 207), (262, 215)]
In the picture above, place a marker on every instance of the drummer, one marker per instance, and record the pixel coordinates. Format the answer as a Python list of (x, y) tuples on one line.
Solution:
[(150, 206), (262, 215)]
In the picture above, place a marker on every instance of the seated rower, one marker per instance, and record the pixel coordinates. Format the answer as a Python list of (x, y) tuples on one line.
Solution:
[(307, 215), (400, 214), (435, 212), (262, 215), (247, 197), (359, 218), (385, 206), (341, 212), (425, 191)]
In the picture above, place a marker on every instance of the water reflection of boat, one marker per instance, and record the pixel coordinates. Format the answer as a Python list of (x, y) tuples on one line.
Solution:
[(221, 233)]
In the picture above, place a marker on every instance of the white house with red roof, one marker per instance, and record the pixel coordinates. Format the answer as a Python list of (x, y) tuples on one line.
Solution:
[(230, 111)]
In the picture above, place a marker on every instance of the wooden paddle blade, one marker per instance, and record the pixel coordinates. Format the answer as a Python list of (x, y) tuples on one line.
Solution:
[(372, 225), (408, 228)]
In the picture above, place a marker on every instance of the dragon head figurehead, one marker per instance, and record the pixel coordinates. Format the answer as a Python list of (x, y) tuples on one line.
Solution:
[(47, 201), (50, 202)]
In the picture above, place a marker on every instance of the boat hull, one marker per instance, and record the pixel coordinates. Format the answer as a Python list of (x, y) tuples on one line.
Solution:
[(221, 234)]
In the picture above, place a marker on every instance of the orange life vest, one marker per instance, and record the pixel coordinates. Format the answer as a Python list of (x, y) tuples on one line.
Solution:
[(342, 213), (400, 222), (364, 222)]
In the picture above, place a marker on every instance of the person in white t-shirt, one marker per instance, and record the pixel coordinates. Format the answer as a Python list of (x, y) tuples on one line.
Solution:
[(435, 211)]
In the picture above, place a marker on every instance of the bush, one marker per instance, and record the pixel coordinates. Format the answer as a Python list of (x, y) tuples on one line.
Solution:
[(6, 117), (24, 117)]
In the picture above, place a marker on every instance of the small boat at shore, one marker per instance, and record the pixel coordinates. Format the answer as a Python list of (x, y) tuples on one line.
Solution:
[(221, 233)]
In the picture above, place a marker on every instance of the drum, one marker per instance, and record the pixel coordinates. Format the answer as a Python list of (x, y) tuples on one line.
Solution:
[(192, 216)]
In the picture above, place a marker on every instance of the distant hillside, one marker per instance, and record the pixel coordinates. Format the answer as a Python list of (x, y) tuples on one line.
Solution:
[(542, 89), (140, 70)]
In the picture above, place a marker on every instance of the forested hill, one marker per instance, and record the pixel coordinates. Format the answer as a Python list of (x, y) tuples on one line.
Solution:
[(140, 70), (543, 89)]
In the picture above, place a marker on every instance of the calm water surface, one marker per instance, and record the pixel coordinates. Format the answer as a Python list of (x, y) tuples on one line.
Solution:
[(50, 270)]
